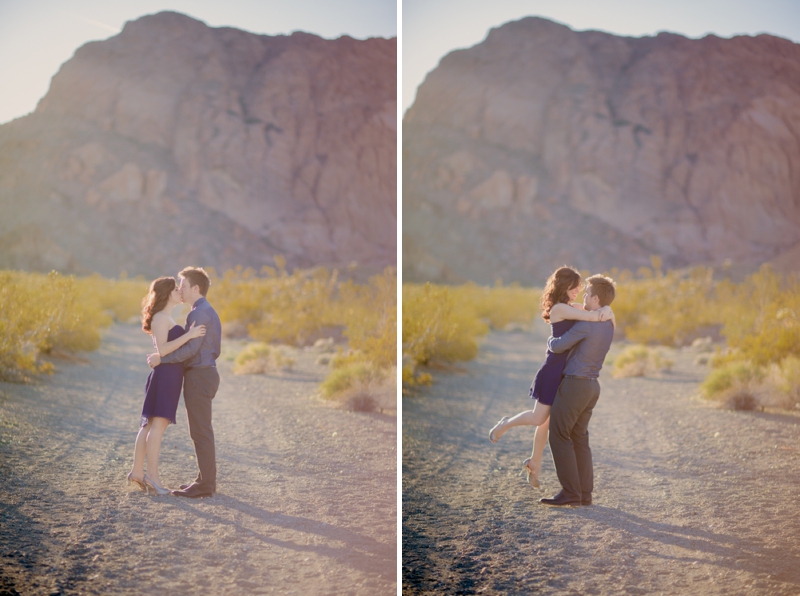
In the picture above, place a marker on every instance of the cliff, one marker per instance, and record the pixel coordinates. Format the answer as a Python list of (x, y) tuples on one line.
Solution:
[(542, 146), (174, 143)]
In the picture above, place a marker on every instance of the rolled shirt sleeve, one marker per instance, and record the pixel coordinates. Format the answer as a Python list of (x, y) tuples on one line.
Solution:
[(567, 341)]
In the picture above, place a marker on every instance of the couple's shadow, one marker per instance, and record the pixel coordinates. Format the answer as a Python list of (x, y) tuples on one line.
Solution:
[(700, 545), (356, 550)]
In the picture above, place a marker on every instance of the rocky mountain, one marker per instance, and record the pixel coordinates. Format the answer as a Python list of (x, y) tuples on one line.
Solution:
[(174, 143), (542, 146)]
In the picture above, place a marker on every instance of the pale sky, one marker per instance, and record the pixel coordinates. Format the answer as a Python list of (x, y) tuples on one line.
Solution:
[(38, 36), (433, 28)]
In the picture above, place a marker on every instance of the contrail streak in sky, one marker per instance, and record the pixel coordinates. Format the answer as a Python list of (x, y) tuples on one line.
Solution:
[(95, 23)]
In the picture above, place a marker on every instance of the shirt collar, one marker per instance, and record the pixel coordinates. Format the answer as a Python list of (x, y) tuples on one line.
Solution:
[(199, 302)]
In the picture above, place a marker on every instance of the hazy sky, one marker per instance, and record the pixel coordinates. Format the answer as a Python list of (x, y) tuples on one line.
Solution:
[(432, 28), (38, 36)]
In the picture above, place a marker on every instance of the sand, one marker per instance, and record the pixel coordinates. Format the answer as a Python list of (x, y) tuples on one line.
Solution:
[(306, 501), (689, 498)]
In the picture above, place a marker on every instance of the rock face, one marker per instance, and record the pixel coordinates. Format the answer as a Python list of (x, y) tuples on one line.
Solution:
[(543, 146), (173, 143)]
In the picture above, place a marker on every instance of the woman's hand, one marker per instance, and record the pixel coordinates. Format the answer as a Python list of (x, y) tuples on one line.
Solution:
[(198, 331), (605, 313)]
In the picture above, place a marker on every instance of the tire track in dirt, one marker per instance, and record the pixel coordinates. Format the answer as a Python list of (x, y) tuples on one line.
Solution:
[(689, 498)]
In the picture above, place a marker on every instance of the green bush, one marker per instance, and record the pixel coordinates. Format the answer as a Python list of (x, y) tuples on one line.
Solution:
[(730, 376), (349, 376)]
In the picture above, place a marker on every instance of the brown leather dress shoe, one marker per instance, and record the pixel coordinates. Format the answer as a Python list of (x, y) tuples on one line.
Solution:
[(561, 500), (193, 491)]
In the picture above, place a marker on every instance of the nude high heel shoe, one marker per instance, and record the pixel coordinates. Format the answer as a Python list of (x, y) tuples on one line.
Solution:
[(132, 480), (530, 478), (157, 488), (502, 421)]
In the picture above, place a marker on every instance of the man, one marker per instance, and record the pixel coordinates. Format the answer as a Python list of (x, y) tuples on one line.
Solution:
[(577, 396), (200, 379)]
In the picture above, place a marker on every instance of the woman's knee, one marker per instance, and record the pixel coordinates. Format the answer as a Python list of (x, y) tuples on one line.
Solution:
[(157, 428)]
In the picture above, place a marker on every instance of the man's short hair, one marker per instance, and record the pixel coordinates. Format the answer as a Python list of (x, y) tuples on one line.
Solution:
[(196, 276), (603, 287)]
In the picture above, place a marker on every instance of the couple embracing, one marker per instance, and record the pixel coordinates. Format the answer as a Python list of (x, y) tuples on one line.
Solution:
[(184, 358), (566, 387)]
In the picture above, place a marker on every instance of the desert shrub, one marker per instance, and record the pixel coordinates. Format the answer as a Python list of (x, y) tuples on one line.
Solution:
[(362, 387), (118, 300), (362, 401), (276, 306), (759, 318), (41, 314), (762, 317), (369, 314), (259, 358), (731, 376), (500, 305), (442, 324), (24, 325), (638, 361), (665, 308), (781, 384), (741, 398), (437, 327), (351, 375), (788, 378)]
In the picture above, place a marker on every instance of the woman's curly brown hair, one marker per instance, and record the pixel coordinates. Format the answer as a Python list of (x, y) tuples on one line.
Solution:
[(555, 290), (156, 299)]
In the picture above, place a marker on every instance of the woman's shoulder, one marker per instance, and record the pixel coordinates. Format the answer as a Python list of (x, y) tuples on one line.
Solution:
[(161, 319), (558, 311)]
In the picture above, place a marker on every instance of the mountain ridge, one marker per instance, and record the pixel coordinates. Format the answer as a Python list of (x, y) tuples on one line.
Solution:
[(174, 142), (542, 145)]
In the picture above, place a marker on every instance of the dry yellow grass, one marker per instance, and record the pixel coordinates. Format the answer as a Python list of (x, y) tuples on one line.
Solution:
[(759, 317)]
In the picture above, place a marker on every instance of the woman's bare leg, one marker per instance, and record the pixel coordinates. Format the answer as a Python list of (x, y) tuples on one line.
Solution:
[(157, 427), (535, 417), (539, 443), (139, 450)]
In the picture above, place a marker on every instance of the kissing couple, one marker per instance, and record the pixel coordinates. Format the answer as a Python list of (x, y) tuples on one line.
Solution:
[(565, 388), (185, 357)]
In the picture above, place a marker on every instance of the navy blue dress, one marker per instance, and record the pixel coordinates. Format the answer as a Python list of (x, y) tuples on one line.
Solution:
[(545, 385), (163, 388)]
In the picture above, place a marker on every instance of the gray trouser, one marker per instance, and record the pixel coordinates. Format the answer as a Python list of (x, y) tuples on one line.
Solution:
[(199, 388), (569, 436)]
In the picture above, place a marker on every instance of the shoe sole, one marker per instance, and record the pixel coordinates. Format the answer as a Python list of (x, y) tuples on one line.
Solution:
[(578, 504)]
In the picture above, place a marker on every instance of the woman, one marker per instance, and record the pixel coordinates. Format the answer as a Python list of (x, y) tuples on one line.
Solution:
[(163, 387), (561, 311)]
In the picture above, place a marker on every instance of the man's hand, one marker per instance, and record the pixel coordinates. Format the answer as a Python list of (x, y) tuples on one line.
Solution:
[(153, 360), (605, 313)]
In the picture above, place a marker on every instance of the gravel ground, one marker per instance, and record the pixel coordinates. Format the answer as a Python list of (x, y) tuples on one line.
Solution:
[(689, 498), (306, 502)]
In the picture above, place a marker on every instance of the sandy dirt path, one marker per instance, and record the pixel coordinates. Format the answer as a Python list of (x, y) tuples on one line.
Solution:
[(306, 502), (689, 498)]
